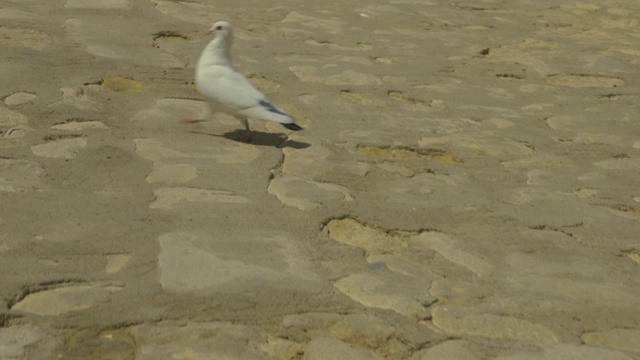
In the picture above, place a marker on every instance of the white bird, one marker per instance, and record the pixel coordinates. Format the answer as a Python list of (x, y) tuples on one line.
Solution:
[(227, 90)]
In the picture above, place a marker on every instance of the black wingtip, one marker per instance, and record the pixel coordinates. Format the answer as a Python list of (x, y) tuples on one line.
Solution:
[(292, 126)]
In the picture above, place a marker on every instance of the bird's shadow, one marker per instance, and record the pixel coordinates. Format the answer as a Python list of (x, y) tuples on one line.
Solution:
[(260, 138)]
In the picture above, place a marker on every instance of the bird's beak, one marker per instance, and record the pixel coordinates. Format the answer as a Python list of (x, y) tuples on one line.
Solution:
[(208, 32)]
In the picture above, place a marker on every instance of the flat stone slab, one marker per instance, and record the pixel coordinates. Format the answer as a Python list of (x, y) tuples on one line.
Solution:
[(461, 320), (10, 118), (20, 175), (98, 4), (383, 290), (203, 340), (306, 195), (448, 350), (171, 197), (171, 173), (65, 299), (330, 349), (27, 341), (566, 351), (80, 125), (60, 149), (19, 98), (208, 263), (618, 339)]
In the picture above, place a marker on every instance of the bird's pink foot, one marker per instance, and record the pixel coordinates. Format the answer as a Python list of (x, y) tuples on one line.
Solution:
[(191, 120)]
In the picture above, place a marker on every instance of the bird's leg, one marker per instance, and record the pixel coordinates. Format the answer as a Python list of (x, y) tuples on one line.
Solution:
[(245, 122), (204, 116)]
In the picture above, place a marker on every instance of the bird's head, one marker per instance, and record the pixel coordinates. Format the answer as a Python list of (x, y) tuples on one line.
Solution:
[(220, 29)]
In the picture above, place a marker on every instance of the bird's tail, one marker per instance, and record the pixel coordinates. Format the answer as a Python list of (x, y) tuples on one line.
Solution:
[(292, 126)]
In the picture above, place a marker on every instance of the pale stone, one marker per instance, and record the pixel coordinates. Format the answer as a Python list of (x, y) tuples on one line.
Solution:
[(351, 232), (324, 348), (635, 257), (308, 162), (98, 4), (154, 150), (77, 98), (281, 349), (404, 265), (587, 193), (115, 262), (539, 177), (355, 97), (347, 77), (396, 169), (10, 118), (30, 38), (564, 265), (169, 110), (632, 164), (559, 161), (18, 132), (171, 173), (196, 341), (565, 122), (448, 350), (80, 125), (170, 197), (317, 23), (190, 12), (237, 155), (61, 149), (27, 341), (387, 292), (596, 139), (64, 299), (584, 81), (306, 195), (117, 46), (511, 54), (15, 14), (560, 208), (456, 320), (618, 339), (20, 175), (459, 292), (200, 263), (564, 352), (581, 291), (446, 247), (483, 146), (363, 330), (627, 213), (19, 98), (358, 329)]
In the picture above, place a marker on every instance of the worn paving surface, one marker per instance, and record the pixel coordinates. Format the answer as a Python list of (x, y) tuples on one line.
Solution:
[(466, 186)]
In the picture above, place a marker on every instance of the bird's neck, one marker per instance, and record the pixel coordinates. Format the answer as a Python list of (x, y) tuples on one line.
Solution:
[(217, 52)]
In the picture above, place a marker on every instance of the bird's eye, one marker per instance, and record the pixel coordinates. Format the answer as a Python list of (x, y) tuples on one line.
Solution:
[(219, 27)]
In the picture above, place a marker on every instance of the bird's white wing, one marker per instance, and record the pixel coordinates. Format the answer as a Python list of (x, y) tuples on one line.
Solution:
[(231, 89)]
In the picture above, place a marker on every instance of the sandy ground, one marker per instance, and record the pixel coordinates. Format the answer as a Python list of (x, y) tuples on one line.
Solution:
[(466, 186)]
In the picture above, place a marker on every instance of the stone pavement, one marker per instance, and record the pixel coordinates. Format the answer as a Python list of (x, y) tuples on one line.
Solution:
[(466, 186)]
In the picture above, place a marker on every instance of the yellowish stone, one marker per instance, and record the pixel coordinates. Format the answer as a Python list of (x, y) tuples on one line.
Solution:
[(455, 320), (120, 84), (584, 81), (560, 161), (619, 339), (172, 173), (353, 233)]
